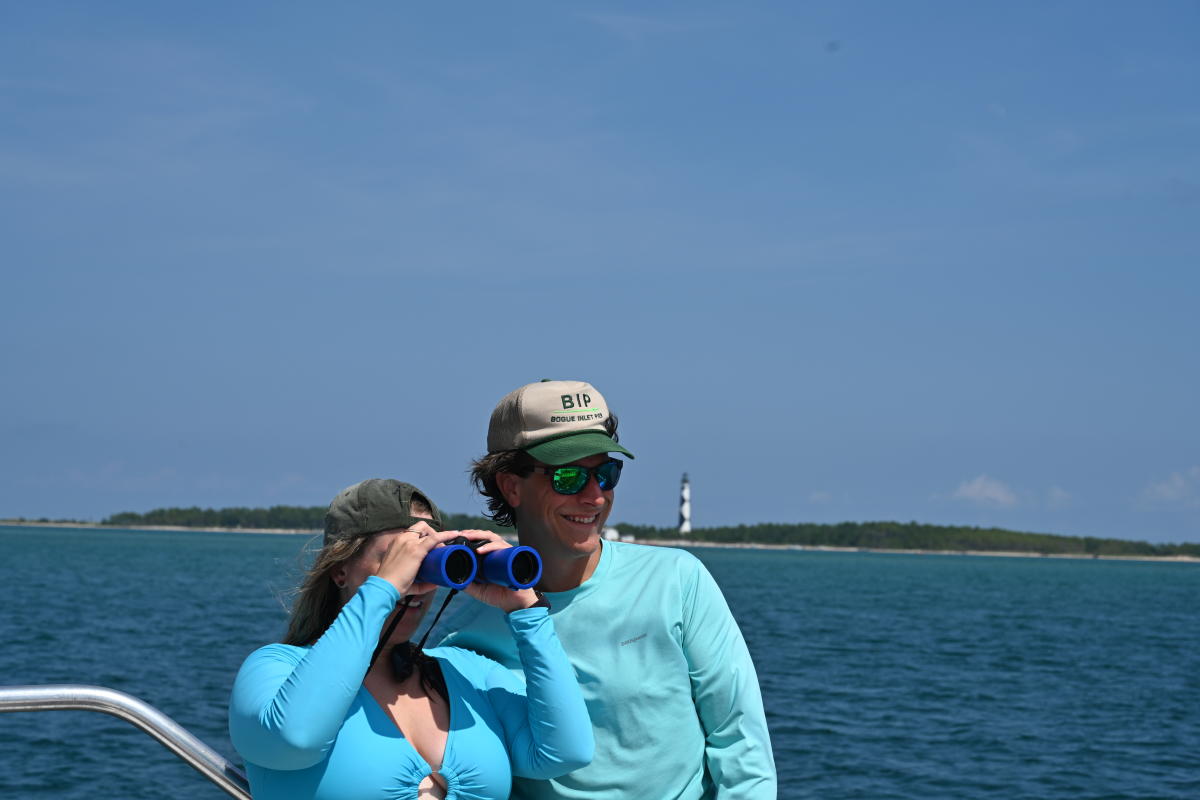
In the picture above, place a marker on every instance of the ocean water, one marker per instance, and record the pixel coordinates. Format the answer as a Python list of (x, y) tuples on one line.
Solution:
[(884, 676)]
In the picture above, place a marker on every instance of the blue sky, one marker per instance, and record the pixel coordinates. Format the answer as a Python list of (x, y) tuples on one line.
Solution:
[(837, 261)]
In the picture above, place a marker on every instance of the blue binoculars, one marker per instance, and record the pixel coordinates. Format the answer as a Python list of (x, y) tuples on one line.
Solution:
[(455, 565)]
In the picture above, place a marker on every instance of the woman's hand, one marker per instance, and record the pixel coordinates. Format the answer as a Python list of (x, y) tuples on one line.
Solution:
[(404, 554), (493, 594)]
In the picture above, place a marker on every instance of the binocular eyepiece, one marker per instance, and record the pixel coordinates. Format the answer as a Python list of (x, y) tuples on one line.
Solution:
[(455, 565)]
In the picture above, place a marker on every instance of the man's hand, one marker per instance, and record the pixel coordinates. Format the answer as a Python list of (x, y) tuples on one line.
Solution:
[(502, 597)]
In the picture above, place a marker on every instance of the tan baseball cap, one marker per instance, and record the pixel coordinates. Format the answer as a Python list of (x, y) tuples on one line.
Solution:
[(556, 422)]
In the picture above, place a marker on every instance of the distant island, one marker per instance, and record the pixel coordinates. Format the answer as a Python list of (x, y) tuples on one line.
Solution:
[(912, 536)]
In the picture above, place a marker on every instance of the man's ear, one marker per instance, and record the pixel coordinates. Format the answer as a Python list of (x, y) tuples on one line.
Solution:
[(510, 488)]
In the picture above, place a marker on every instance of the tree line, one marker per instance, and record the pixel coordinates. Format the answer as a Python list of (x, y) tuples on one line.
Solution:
[(285, 517), (915, 536), (865, 535)]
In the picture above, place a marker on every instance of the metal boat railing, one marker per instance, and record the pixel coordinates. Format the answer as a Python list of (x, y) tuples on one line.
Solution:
[(168, 732)]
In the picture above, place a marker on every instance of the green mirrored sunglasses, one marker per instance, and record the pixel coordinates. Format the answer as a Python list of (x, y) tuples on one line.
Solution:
[(572, 478)]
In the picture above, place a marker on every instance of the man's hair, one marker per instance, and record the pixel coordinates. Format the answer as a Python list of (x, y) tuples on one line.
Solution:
[(485, 469)]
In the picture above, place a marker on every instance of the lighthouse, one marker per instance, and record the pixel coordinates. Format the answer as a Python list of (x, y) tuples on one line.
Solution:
[(685, 506)]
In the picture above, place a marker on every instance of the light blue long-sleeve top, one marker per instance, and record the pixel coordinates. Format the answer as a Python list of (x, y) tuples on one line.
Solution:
[(669, 684), (307, 728)]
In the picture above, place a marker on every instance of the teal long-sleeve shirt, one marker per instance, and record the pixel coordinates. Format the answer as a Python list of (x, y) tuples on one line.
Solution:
[(307, 728), (669, 684)]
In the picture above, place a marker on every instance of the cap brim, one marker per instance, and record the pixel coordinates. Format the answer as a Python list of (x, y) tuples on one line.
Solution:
[(566, 449)]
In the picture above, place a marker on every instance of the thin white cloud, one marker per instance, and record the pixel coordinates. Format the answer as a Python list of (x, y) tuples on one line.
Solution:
[(986, 491), (635, 27), (820, 496), (1180, 489), (117, 476), (1058, 497)]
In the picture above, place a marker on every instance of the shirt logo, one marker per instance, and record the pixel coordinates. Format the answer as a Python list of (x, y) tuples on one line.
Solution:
[(634, 639)]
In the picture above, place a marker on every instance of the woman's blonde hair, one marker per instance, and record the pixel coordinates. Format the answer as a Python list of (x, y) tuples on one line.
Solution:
[(318, 599)]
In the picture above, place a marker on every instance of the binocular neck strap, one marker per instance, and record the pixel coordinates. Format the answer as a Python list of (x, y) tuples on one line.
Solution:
[(436, 617), (387, 634)]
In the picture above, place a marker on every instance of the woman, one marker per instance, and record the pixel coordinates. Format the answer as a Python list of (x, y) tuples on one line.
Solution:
[(319, 716)]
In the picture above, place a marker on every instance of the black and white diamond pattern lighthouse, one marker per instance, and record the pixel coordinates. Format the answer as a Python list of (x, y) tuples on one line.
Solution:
[(685, 506)]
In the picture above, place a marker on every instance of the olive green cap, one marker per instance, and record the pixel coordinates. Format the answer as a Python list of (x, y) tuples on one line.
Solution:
[(374, 505)]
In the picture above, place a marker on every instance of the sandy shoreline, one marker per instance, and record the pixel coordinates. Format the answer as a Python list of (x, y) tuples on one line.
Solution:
[(654, 542), (998, 553), (8, 523)]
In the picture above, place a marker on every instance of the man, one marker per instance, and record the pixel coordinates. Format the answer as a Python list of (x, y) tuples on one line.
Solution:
[(669, 685)]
